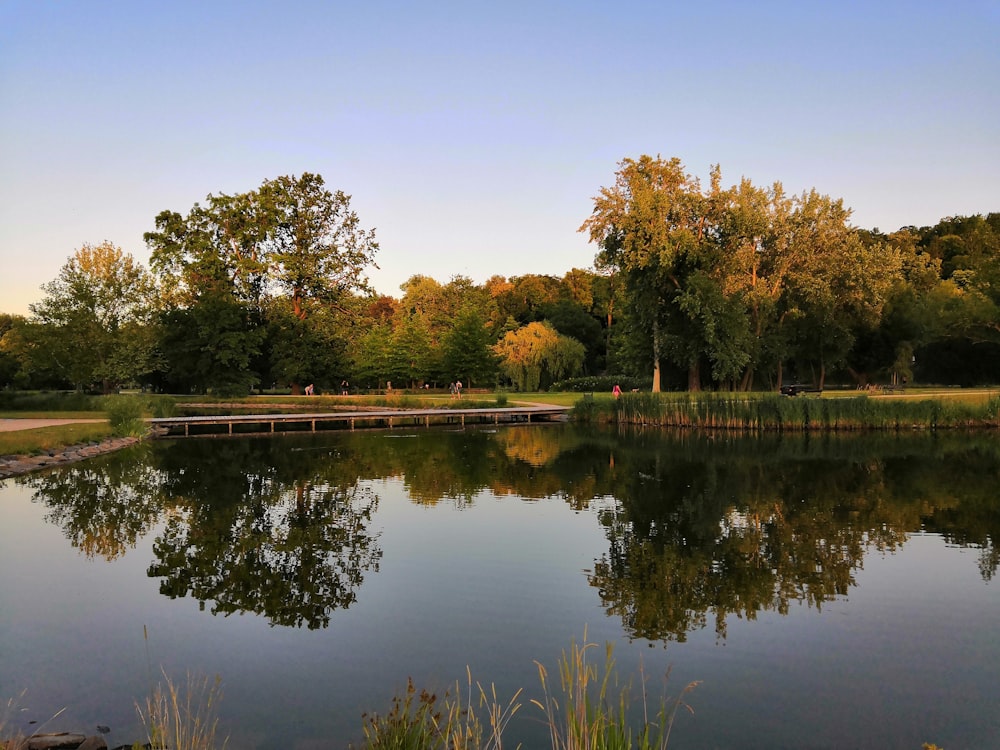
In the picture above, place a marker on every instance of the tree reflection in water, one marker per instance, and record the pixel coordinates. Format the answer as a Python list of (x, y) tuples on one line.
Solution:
[(699, 527), (709, 527)]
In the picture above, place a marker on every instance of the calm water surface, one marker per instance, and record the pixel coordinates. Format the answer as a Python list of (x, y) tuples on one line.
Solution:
[(825, 592)]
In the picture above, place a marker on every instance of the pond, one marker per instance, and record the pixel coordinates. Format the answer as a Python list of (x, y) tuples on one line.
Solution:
[(824, 591)]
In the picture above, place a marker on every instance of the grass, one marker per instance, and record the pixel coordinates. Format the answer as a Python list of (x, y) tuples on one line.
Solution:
[(595, 712), (48, 439), (768, 411), (182, 718), (125, 415), (588, 710), (417, 721)]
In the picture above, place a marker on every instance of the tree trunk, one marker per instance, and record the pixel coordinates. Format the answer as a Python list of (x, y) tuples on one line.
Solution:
[(656, 356), (779, 374), (694, 376)]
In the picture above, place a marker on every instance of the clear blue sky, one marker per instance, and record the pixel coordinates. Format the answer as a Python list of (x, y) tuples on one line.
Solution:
[(473, 135)]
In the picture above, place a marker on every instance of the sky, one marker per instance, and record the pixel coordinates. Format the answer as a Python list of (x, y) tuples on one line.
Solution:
[(473, 136)]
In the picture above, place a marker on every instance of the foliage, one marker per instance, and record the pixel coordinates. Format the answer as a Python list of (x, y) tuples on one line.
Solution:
[(419, 722), (291, 248), (92, 326), (211, 346), (535, 355), (48, 401), (466, 349), (315, 248), (713, 276), (11, 371), (125, 415)]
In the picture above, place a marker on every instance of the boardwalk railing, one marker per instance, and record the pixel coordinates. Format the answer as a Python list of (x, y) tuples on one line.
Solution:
[(246, 424)]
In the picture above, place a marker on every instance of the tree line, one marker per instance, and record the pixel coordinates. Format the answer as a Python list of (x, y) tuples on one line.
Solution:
[(694, 287)]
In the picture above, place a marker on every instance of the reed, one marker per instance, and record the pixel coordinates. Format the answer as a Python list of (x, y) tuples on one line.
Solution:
[(417, 721), (753, 412), (182, 719), (589, 710), (595, 712), (125, 415)]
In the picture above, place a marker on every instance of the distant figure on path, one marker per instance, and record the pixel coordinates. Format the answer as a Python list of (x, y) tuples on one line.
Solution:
[(616, 391), (310, 389), (458, 388)]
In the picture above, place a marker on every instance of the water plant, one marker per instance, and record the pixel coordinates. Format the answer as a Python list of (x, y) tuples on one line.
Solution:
[(417, 721), (125, 415), (768, 411), (589, 710), (596, 711), (182, 719)]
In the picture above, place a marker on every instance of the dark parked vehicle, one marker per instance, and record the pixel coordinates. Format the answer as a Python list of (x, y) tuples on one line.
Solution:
[(797, 388)]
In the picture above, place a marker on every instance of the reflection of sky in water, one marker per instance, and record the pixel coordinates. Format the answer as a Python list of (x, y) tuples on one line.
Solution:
[(908, 656)]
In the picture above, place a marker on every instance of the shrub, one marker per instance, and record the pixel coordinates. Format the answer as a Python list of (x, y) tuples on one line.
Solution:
[(125, 415)]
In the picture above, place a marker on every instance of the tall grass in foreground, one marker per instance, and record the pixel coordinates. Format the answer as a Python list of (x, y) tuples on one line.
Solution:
[(596, 712), (589, 710), (185, 719), (750, 411), (419, 722)]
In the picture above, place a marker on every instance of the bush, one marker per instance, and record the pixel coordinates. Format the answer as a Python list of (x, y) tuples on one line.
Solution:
[(125, 415), (48, 401)]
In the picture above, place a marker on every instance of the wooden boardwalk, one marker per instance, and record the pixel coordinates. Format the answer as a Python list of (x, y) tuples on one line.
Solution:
[(256, 424)]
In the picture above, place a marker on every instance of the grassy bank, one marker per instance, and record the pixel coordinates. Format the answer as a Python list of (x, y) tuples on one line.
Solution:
[(767, 411), (47, 439)]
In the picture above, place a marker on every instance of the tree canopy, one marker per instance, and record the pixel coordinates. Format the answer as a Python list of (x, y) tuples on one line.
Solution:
[(726, 287)]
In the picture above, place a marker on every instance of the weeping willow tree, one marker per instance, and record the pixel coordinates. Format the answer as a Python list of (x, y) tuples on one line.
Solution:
[(536, 355)]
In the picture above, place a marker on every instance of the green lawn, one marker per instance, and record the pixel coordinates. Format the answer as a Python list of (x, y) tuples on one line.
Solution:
[(44, 439)]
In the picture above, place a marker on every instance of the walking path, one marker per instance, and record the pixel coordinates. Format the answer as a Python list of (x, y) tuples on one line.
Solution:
[(12, 425)]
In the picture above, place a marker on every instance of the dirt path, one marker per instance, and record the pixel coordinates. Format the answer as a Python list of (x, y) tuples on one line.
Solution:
[(12, 425)]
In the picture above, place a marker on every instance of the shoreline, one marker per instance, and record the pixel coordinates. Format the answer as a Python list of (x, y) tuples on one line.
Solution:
[(17, 465)]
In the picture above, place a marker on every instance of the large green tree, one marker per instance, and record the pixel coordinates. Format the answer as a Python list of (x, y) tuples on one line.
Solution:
[(736, 279), (317, 249), (92, 326), (466, 349), (289, 248)]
